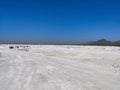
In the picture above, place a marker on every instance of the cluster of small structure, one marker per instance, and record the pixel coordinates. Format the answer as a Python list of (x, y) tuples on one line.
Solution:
[(25, 48)]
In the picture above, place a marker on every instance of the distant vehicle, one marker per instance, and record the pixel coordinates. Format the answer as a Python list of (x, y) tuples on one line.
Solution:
[(24, 48), (11, 47)]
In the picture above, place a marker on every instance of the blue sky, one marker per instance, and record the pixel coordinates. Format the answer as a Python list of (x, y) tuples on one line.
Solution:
[(75, 20)]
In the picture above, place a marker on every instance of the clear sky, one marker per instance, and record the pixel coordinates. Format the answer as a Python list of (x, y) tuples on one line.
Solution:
[(60, 19)]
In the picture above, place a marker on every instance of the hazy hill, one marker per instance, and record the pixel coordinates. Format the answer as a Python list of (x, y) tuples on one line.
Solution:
[(104, 42)]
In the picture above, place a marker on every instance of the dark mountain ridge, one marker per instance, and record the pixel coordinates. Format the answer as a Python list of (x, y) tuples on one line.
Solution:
[(104, 42)]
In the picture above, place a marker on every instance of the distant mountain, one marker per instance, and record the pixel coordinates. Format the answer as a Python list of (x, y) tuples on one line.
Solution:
[(103, 42), (117, 43)]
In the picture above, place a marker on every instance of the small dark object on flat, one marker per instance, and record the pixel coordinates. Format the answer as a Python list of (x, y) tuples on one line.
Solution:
[(17, 47), (11, 47)]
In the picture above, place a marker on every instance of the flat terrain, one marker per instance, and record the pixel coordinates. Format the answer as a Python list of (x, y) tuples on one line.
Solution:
[(50, 67)]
